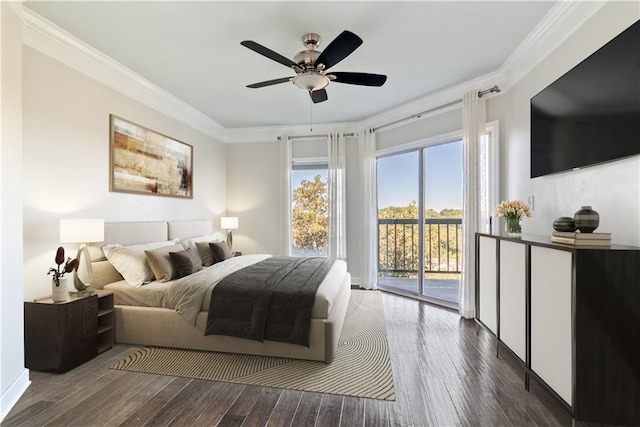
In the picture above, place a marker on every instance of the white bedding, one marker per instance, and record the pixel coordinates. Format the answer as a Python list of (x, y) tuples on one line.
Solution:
[(190, 295)]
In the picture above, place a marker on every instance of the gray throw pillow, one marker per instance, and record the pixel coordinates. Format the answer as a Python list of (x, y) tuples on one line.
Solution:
[(220, 251), (205, 253), (185, 262)]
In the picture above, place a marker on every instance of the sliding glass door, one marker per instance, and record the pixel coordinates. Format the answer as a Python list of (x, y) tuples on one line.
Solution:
[(420, 222), (398, 222), (442, 196)]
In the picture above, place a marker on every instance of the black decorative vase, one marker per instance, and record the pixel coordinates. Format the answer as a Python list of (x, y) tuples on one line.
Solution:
[(564, 223), (586, 219)]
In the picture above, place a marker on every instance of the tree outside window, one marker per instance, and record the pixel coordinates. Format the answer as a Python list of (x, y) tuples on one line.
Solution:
[(309, 212)]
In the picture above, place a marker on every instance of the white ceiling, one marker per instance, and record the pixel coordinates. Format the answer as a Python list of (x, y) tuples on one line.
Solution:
[(192, 49)]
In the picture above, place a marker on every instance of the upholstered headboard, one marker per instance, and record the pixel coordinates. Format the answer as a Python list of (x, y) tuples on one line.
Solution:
[(135, 233)]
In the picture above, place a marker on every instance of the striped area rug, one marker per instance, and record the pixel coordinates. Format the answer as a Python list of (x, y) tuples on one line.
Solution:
[(361, 368)]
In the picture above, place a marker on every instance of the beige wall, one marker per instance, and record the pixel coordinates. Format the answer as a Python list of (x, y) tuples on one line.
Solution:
[(14, 378), (253, 195), (435, 124), (612, 189), (66, 162)]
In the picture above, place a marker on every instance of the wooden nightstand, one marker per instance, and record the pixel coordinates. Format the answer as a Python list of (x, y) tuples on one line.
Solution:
[(60, 336), (106, 321)]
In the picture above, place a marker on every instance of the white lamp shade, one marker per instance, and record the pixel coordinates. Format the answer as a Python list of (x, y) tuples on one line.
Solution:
[(85, 230), (229, 222)]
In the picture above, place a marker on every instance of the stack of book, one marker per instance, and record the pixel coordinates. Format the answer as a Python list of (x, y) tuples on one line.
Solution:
[(581, 239)]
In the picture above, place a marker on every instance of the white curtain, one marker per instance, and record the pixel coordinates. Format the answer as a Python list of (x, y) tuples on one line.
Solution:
[(473, 128), (285, 189), (337, 196), (368, 210)]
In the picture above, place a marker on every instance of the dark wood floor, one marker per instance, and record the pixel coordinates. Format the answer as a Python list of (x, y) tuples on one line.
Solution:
[(444, 375)]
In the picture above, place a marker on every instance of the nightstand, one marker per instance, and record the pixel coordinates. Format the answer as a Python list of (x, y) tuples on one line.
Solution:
[(60, 336), (106, 321)]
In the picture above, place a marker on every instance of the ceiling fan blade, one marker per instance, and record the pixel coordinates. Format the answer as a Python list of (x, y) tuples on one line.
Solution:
[(264, 51), (341, 47), (362, 79), (270, 82), (319, 95)]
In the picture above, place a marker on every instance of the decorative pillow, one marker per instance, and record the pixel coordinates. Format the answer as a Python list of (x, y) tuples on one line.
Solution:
[(160, 262), (186, 262), (220, 251), (202, 245), (131, 262), (204, 251)]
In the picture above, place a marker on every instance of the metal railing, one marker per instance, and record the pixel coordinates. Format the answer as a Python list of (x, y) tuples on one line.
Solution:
[(398, 246)]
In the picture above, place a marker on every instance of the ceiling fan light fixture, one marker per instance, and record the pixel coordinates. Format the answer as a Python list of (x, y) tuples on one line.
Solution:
[(311, 81)]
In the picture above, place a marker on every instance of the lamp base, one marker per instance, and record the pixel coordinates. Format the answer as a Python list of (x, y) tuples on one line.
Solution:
[(84, 273), (229, 238)]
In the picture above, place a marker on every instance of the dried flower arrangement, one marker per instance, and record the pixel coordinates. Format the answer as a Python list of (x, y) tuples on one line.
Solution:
[(59, 271)]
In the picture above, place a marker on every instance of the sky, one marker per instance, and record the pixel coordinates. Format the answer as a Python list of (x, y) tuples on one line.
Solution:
[(398, 178)]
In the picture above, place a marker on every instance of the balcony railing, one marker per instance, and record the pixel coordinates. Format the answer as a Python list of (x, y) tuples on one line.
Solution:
[(398, 246)]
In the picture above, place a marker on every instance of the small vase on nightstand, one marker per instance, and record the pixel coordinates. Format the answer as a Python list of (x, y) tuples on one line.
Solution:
[(60, 292)]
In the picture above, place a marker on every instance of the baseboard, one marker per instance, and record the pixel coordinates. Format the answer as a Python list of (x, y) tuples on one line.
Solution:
[(11, 395)]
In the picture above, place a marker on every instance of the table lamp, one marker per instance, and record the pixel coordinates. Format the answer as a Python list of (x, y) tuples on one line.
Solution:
[(83, 231), (229, 223)]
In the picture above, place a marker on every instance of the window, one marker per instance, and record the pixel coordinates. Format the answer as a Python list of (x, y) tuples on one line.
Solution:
[(488, 176), (309, 209)]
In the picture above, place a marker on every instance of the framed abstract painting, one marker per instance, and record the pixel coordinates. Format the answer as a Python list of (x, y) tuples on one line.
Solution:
[(146, 162)]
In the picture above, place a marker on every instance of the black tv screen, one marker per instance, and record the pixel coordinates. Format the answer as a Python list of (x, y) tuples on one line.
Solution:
[(591, 114)]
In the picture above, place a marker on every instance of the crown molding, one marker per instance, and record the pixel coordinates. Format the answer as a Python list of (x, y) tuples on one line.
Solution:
[(53, 41), (434, 100), (562, 20), (17, 7), (405, 111)]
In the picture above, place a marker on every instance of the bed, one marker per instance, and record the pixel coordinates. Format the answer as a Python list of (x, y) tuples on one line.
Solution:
[(143, 316)]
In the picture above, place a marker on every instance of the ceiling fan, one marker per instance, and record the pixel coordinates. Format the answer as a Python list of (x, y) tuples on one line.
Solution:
[(311, 66)]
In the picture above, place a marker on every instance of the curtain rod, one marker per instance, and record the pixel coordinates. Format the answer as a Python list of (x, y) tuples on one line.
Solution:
[(434, 109), (316, 136)]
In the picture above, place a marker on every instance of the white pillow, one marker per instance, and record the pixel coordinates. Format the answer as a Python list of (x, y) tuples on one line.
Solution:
[(191, 242), (131, 262)]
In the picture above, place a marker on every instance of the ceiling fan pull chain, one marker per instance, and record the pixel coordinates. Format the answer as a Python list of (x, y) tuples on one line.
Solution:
[(311, 116)]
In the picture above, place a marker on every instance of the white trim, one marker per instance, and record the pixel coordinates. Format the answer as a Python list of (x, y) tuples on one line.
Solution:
[(52, 40), (433, 101), (13, 393), (493, 129), (562, 20), (443, 138), (17, 7), (310, 161)]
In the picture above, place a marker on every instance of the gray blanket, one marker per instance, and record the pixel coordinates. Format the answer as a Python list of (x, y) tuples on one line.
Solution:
[(270, 300)]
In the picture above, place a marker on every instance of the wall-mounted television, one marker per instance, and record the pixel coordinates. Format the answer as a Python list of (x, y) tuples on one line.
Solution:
[(591, 114)]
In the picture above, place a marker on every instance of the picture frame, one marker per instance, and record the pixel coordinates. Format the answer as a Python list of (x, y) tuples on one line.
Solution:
[(143, 161)]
